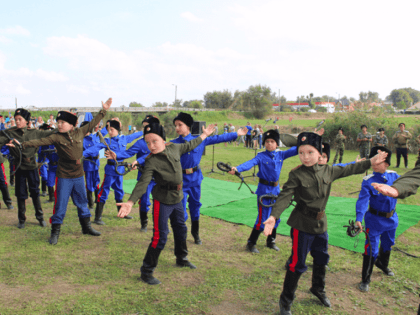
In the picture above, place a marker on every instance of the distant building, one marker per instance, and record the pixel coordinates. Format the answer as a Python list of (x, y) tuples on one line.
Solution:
[(330, 106)]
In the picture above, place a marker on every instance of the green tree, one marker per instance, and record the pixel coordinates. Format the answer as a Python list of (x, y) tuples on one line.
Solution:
[(400, 95), (196, 104), (177, 103), (160, 104), (135, 104), (257, 99), (218, 99)]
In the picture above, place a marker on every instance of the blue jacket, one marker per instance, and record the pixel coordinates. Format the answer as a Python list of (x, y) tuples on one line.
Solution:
[(269, 168), (49, 157), (249, 130), (116, 144), (192, 159), (88, 142), (370, 196), (140, 148)]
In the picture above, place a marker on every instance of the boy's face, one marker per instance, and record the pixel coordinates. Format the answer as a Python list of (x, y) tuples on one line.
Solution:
[(155, 143), (308, 155), (64, 126), (112, 132), (340, 132), (402, 127), (181, 128), (270, 145), (381, 132), (20, 122), (380, 168), (364, 129), (324, 159)]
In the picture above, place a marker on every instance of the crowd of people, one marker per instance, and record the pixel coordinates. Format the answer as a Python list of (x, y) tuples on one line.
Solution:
[(171, 173)]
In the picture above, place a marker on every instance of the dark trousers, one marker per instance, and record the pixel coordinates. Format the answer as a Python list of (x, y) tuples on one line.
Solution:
[(32, 177), (403, 152), (248, 140), (161, 213)]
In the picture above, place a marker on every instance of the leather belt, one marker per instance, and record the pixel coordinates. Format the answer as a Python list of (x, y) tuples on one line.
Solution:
[(381, 213), (172, 187), (109, 162), (93, 158), (266, 182), (191, 170), (52, 163), (314, 213), (74, 162)]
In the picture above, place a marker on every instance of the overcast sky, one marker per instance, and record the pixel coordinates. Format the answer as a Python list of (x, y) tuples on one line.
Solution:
[(77, 53)]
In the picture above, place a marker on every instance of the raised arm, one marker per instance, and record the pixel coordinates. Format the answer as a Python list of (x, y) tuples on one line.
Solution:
[(134, 136), (191, 145)]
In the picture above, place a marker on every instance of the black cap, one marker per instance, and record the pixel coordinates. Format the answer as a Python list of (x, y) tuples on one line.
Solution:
[(310, 138), (24, 113), (156, 129), (272, 134), (326, 149), (45, 126), (185, 118), (361, 127), (374, 151), (381, 129), (114, 124), (151, 119), (67, 116)]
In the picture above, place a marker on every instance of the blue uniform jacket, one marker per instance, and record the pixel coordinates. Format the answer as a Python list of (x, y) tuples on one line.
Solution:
[(116, 144), (88, 142), (192, 159), (140, 148), (269, 168), (49, 157), (370, 196), (249, 130)]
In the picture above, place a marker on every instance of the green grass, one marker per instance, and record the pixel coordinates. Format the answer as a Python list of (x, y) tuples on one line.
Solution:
[(98, 275)]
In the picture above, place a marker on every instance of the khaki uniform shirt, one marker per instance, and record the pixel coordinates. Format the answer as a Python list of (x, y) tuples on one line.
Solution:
[(69, 147), (339, 140), (165, 168), (408, 183), (28, 154), (311, 187), (364, 144), (400, 140)]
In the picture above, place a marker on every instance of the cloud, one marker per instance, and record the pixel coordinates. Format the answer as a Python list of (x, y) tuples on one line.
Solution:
[(5, 40), (77, 89), (51, 76), (21, 90), (190, 17), (16, 30)]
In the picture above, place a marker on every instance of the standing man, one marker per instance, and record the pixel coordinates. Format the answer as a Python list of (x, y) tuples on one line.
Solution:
[(381, 139), (401, 138), (248, 137), (52, 122), (339, 141), (364, 138)]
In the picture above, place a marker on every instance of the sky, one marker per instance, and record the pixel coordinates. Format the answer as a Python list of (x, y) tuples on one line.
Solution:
[(79, 53)]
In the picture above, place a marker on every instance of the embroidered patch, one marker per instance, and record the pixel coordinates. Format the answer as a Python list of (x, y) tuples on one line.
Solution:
[(303, 138), (148, 129), (268, 134), (58, 115)]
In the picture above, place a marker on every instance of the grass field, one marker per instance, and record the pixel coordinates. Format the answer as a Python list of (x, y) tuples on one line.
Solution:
[(98, 275)]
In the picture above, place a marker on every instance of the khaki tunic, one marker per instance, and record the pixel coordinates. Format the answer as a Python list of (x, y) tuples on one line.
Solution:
[(311, 187), (69, 147), (408, 183), (165, 168), (400, 140)]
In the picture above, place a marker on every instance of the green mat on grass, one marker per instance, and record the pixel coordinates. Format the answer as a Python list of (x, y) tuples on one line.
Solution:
[(222, 200)]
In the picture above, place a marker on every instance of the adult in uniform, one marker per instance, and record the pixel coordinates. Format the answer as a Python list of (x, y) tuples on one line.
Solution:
[(380, 139), (400, 139), (310, 184), (27, 173), (339, 142), (381, 219), (163, 164), (192, 175), (364, 138)]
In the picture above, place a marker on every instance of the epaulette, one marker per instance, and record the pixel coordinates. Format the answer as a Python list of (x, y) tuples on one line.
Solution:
[(368, 176), (168, 143), (390, 171), (150, 154), (296, 167)]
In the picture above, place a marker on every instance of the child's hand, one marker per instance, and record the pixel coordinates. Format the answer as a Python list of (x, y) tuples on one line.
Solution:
[(207, 131), (386, 190), (358, 159), (134, 165), (359, 225), (269, 225), (10, 144), (110, 155), (379, 158), (125, 208), (242, 131), (232, 171), (107, 104)]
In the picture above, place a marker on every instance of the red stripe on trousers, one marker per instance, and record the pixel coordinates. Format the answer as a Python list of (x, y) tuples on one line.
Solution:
[(4, 173), (102, 189), (259, 217), (55, 198), (295, 250), (156, 234), (366, 245)]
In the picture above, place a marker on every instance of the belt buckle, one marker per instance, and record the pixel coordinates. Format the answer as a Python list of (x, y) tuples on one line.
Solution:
[(189, 171)]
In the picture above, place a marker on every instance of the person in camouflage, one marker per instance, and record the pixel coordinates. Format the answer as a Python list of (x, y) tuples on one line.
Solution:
[(380, 139), (339, 140), (401, 138), (364, 138)]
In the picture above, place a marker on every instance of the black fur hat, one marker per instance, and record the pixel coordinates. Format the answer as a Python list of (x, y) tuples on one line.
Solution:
[(156, 129), (67, 116), (185, 118), (312, 139), (45, 126), (114, 124), (326, 149), (374, 151), (24, 113), (151, 119), (272, 134)]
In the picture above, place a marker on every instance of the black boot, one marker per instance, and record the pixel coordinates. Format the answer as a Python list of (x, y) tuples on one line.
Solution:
[(128, 217), (87, 228), (150, 262), (6, 198), (21, 213), (143, 221), (383, 261), (39, 214), (12, 178), (89, 195), (271, 240), (55, 233), (368, 262), (195, 227), (181, 253), (44, 188), (288, 295), (318, 284), (98, 213), (252, 241), (51, 195)]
